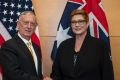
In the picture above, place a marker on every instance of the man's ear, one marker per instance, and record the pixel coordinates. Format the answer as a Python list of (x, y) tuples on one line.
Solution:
[(17, 26)]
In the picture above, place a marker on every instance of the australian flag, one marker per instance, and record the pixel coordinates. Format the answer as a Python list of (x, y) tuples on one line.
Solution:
[(98, 26), (9, 12)]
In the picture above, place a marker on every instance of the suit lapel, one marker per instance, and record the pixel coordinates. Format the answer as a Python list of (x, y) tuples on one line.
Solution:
[(83, 51), (38, 54), (23, 49)]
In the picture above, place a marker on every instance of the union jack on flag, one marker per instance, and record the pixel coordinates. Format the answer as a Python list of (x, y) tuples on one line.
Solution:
[(98, 26), (9, 12)]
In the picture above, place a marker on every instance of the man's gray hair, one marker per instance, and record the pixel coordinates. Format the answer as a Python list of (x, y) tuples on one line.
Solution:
[(26, 12)]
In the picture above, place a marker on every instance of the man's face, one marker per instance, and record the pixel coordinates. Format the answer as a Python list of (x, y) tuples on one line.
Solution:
[(26, 25), (79, 24)]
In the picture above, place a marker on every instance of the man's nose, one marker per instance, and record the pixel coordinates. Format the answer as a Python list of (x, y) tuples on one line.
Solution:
[(29, 25)]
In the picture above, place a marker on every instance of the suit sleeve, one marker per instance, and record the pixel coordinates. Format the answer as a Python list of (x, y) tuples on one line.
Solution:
[(11, 66), (56, 70), (107, 68)]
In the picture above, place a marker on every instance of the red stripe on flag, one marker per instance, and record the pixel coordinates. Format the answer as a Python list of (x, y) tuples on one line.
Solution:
[(1, 39), (1, 42), (95, 29), (93, 6), (79, 1), (35, 39)]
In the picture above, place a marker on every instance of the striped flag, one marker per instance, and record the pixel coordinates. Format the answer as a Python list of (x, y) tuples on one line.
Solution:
[(9, 12), (98, 26)]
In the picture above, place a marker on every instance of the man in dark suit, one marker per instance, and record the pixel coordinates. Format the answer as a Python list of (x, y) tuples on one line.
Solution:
[(18, 60)]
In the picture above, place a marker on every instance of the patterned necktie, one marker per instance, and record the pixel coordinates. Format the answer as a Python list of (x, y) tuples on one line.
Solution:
[(29, 45)]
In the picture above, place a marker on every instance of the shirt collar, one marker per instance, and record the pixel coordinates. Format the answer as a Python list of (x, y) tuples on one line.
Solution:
[(23, 39)]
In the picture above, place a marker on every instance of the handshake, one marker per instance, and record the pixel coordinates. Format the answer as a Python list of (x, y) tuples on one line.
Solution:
[(47, 78)]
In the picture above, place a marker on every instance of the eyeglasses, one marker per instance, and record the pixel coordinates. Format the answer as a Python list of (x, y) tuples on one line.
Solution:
[(27, 23), (80, 22)]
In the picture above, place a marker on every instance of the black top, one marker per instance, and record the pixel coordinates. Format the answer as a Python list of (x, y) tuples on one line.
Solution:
[(17, 62), (92, 63)]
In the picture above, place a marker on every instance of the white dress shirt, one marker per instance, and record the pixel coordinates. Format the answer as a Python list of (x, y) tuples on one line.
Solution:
[(33, 51)]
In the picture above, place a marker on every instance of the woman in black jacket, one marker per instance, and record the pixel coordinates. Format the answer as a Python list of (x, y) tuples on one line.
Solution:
[(82, 57)]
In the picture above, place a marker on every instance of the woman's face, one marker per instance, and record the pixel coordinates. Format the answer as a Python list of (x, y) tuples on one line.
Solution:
[(79, 24)]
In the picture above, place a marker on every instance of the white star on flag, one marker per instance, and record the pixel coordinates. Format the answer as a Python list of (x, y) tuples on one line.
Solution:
[(62, 35)]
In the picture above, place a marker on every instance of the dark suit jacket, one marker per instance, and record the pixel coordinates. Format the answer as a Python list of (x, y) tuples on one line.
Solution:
[(93, 61), (17, 62)]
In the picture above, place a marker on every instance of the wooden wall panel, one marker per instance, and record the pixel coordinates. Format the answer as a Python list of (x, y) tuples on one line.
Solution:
[(112, 10), (115, 45), (48, 14), (47, 44)]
